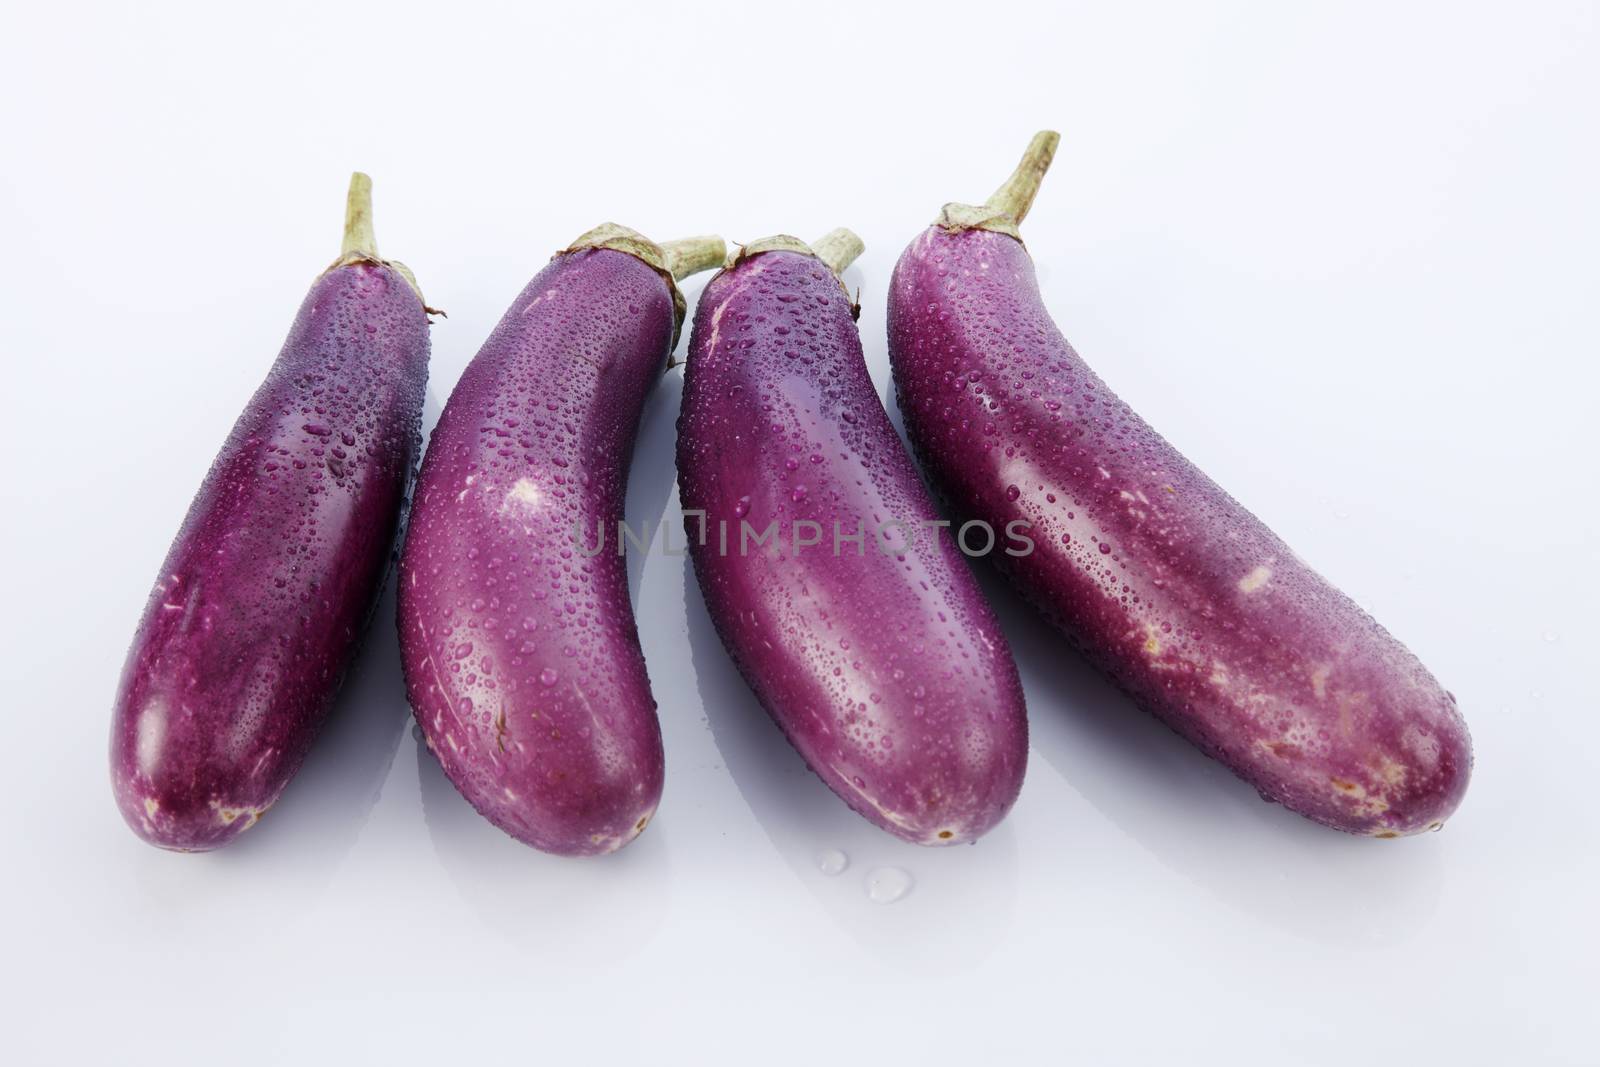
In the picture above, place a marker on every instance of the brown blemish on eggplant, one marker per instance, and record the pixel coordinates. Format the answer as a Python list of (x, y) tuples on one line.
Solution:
[(991, 393)]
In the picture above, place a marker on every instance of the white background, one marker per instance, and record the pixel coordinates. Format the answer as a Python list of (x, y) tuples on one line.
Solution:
[(1346, 260)]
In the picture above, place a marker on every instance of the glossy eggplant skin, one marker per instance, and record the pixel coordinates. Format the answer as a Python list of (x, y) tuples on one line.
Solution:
[(1161, 579), (264, 595), (887, 671), (521, 655)]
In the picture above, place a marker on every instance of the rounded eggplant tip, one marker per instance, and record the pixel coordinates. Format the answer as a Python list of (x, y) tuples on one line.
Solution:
[(945, 831), (603, 818), (952, 835), (1436, 797), (608, 843), (579, 843), (943, 824), (1393, 799), (180, 824), (1429, 812)]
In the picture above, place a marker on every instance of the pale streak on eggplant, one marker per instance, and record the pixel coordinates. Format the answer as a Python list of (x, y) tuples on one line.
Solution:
[(1386, 791)]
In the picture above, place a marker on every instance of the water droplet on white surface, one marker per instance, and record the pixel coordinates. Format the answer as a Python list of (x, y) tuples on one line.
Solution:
[(1551, 637), (831, 861), (885, 885)]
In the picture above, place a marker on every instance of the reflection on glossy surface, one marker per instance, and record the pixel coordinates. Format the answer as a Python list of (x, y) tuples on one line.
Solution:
[(1239, 221), (322, 812), (1201, 821), (801, 817), (300, 845), (590, 912), (650, 483), (325, 807), (601, 909)]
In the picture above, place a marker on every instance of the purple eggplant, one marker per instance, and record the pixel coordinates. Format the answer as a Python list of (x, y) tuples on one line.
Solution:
[(264, 595), (521, 654), (848, 610), (1164, 582)]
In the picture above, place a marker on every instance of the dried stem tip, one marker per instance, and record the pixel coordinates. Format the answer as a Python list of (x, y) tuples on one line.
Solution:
[(691, 255), (838, 249), (359, 240), (1015, 197), (1009, 205)]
